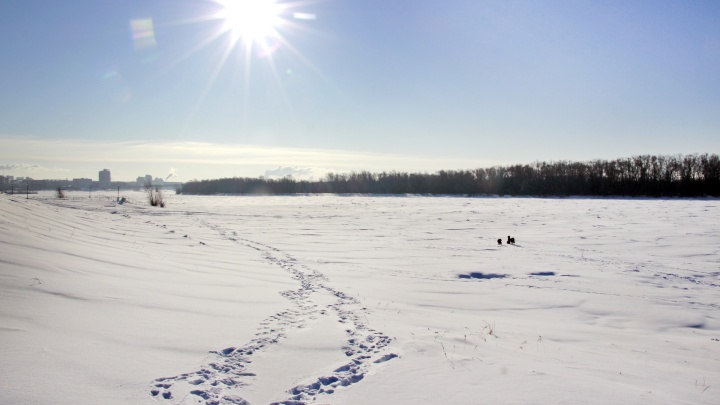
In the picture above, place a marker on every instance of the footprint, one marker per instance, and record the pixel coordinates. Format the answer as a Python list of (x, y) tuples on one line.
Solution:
[(230, 365)]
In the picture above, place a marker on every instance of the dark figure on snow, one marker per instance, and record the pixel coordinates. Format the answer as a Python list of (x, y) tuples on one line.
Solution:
[(510, 241), (499, 241)]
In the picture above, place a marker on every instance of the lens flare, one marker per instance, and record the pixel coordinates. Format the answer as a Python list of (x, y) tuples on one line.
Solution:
[(304, 16), (143, 33)]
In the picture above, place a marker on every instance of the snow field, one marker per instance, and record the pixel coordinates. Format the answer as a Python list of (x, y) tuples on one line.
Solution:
[(359, 299)]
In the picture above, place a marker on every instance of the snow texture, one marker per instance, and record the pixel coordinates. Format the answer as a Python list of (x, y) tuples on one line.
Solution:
[(358, 299)]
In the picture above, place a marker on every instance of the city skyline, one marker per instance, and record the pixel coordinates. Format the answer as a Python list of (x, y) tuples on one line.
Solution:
[(205, 90), (103, 179)]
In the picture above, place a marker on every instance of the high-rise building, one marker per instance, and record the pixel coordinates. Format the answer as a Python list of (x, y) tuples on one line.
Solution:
[(104, 178)]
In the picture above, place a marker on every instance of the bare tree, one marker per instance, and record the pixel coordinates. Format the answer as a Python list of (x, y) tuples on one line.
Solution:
[(155, 195)]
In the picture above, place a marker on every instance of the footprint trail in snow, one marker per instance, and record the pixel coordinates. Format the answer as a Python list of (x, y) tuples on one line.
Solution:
[(221, 379)]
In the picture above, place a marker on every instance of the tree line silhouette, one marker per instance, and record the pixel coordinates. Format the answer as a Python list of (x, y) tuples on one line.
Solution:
[(693, 175)]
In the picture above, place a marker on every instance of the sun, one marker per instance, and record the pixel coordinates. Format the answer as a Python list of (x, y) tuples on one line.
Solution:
[(250, 30), (251, 21)]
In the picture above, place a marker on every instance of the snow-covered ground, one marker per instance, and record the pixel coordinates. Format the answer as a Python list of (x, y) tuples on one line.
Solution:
[(358, 300)]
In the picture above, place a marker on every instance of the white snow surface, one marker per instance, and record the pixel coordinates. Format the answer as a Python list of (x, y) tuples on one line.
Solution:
[(358, 300)]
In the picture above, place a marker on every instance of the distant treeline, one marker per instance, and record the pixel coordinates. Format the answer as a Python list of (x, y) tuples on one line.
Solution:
[(653, 176)]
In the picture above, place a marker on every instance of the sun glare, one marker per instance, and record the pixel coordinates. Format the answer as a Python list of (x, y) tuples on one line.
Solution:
[(256, 25), (252, 21)]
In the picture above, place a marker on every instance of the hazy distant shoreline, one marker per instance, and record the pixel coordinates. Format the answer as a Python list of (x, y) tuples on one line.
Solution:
[(696, 175)]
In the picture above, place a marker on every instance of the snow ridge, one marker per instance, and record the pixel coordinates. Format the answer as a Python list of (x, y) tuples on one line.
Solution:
[(219, 381)]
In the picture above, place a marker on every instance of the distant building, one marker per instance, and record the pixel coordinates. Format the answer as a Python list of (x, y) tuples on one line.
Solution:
[(80, 184), (143, 181), (104, 178)]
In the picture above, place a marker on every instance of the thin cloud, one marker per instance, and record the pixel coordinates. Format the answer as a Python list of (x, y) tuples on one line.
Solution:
[(297, 173), (21, 166), (223, 160)]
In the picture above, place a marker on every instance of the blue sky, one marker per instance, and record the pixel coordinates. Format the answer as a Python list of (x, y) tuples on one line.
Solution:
[(352, 85)]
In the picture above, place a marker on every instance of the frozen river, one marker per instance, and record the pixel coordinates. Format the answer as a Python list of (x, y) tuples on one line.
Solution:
[(359, 299)]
